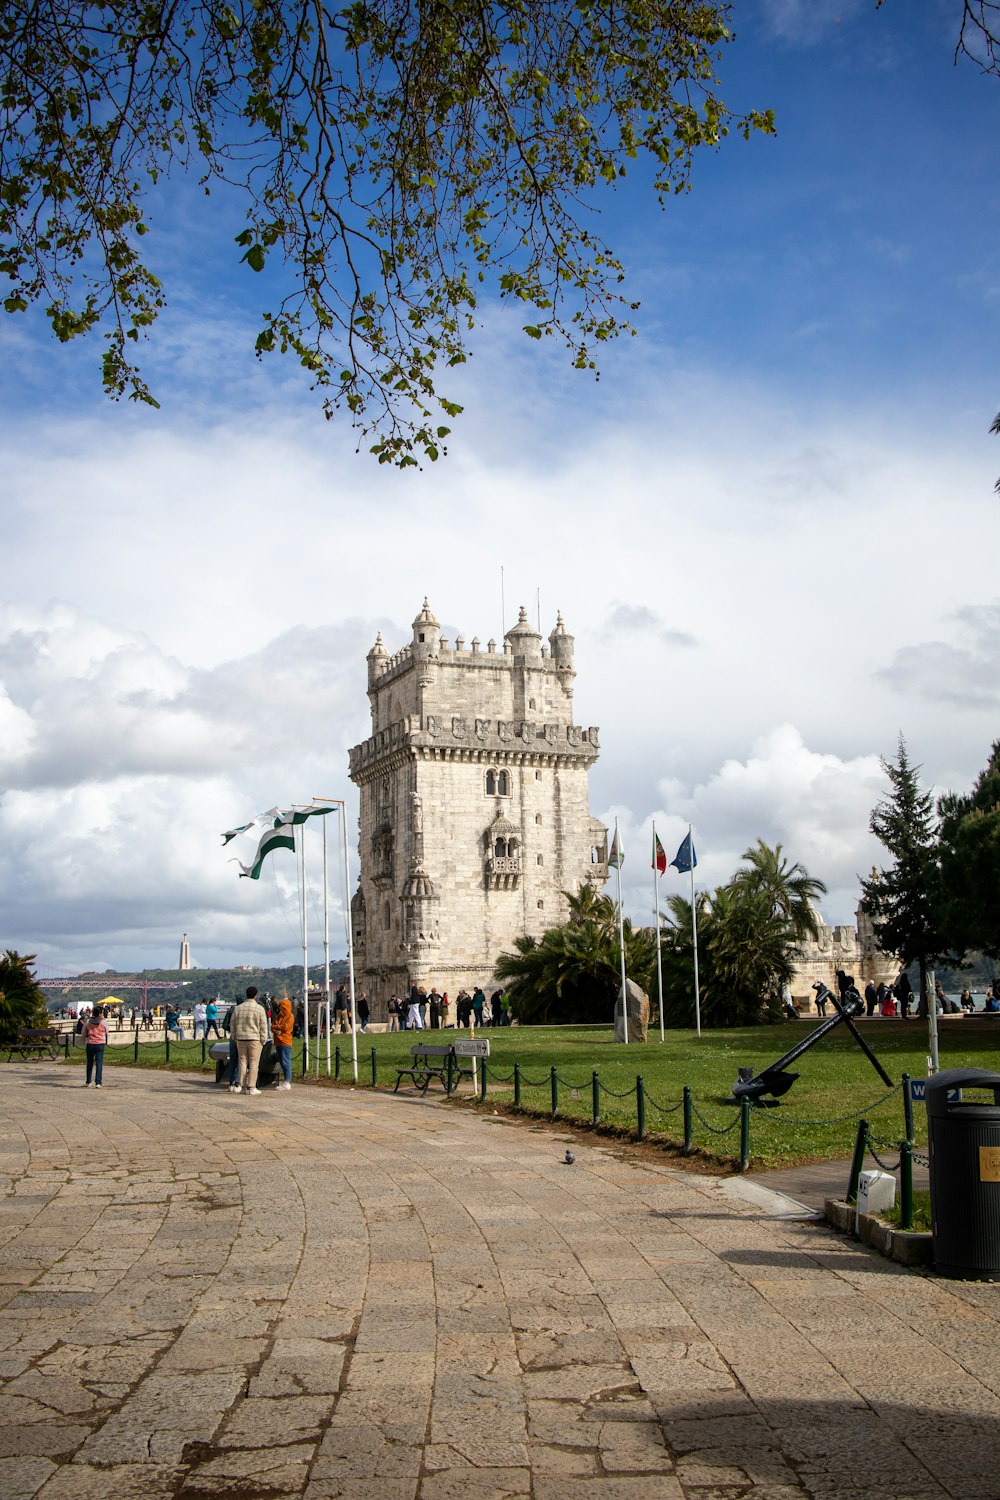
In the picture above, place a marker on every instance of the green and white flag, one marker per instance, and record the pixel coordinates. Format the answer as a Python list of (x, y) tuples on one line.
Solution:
[(294, 815), (261, 820), (281, 836)]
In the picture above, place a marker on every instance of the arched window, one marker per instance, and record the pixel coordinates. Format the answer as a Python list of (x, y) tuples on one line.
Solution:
[(500, 849), (503, 784), (491, 783), (538, 819), (388, 915)]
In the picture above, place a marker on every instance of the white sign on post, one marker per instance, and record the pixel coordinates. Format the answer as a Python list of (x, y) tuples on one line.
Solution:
[(472, 1046)]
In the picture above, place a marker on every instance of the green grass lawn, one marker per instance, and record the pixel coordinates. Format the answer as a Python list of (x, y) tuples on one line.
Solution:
[(816, 1120)]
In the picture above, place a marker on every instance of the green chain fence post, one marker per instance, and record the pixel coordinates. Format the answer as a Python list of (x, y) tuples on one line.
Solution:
[(907, 1107), (857, 1160), (640, 1106), (482, 1081), (744, 1134), (595, 1087), (554, 1085), (336, 1064), (905, 1185), (517, 1085), (374, 1070), (204, 1050), (449, 1087), (688, 1121), (135, 1047), (166, 1043)]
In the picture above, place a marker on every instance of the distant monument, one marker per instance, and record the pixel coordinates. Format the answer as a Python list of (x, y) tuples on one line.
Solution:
[(474, 806), (185, 962)]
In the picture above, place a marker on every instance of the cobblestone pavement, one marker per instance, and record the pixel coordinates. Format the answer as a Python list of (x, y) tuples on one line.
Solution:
[(332, 1293)]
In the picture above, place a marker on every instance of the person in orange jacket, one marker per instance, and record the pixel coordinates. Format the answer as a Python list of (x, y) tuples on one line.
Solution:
[(282, 1026)]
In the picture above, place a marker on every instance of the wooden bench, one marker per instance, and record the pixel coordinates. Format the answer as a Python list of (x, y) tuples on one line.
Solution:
[(36, 1041), (428, 1062)]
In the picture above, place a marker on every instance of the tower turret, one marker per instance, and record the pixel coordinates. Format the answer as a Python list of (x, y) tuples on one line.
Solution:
[(426, 634), (524, 641), (561, 648), (376, 657)]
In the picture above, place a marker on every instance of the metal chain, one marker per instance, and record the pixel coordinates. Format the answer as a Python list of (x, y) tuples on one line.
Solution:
[(665, 1109), (886, 1166), (613, 1094), (715, 1129), (836, 1120)]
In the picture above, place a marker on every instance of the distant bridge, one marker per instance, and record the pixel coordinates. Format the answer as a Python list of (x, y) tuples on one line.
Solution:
[(111, 985)]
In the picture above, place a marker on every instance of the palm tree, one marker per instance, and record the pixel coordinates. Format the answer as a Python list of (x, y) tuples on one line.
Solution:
[(21, 1001), (573, 972), (789, 890)]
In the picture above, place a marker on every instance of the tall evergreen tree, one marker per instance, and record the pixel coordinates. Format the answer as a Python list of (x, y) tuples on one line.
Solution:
[(904, 899), (969, 839)]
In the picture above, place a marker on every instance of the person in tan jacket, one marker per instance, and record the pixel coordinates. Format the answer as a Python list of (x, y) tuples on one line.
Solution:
[(248, 1029), (282, 1027)]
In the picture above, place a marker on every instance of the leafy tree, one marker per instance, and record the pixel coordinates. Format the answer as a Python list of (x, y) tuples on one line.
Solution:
[(969, 848), (21, 1001), (788, 890), (748, 935), (573, 972), (903, 900), (386, 160)]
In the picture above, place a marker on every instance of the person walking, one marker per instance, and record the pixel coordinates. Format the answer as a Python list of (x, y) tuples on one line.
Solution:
[(248, 1029), (95, 1036), (199, 1018), (282, 1027), (478, 1001), (212, 1019), (392, 1012), (364, 1012)]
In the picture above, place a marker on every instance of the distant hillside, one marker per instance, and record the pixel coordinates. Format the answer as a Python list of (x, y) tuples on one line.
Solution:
[(221, 984)]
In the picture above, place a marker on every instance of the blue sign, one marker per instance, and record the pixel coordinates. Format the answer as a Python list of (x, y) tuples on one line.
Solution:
[(918, 1092)]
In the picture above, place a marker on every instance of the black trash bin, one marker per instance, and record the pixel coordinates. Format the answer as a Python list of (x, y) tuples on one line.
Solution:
[(964, 1139)]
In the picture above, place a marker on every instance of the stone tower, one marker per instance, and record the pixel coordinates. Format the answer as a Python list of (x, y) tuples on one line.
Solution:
[(185, 962), (474, 805)]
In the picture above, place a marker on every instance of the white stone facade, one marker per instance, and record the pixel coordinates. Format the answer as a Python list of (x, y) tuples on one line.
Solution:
[(474, 806), (853, 949)]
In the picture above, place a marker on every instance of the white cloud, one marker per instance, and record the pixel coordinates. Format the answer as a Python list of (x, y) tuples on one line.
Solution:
[(815, 804), (966, 675)]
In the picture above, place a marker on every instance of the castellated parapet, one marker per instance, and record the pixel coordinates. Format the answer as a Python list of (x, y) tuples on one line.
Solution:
[(474, 805)]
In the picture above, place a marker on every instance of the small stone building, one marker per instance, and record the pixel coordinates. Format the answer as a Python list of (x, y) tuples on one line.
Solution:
[(474, 806)]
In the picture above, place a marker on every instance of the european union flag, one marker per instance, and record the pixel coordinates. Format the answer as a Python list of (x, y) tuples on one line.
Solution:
[(685, 859)]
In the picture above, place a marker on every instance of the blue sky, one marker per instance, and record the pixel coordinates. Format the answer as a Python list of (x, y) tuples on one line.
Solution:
[(771, 524)]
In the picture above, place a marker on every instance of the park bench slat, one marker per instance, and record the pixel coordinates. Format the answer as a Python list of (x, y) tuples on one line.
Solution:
[(428, 1062)]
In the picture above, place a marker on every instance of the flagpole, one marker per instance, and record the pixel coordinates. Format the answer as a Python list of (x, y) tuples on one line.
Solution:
[(326, 952), (350, 946), (621, 932), (694, 940), (305, 937), (656, 917)]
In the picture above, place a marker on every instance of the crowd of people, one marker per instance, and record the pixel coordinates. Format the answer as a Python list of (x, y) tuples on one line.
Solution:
[(899, 999), (432, 1010)]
